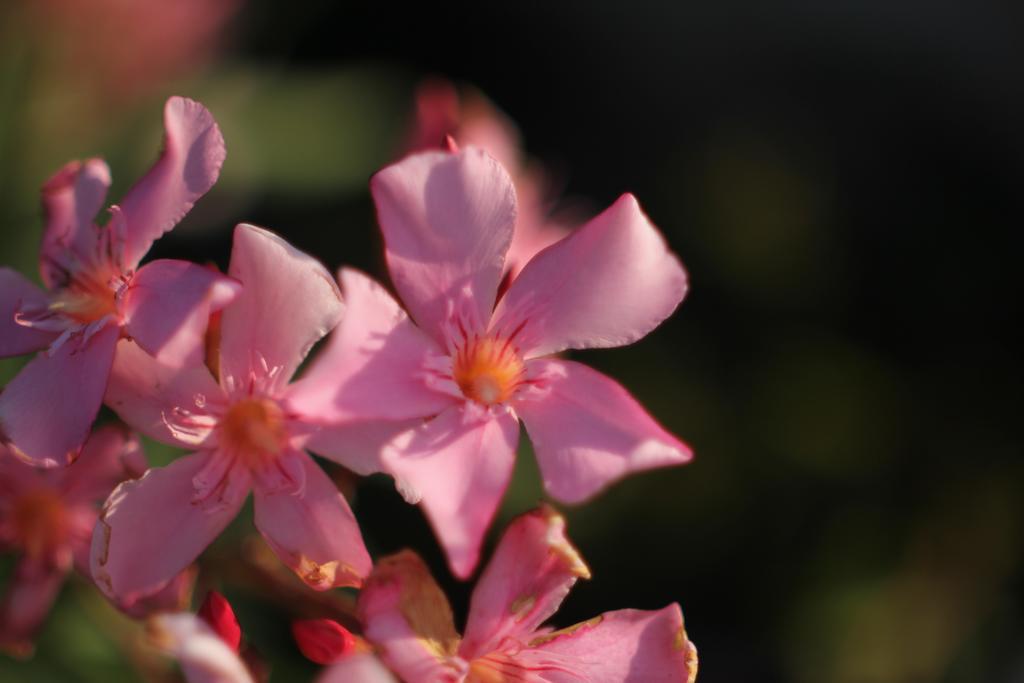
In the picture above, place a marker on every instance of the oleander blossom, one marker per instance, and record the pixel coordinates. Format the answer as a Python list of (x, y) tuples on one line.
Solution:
[(245, 439), (46, 518), (98, 293), (407, 617), (469, 118), (436, 402)]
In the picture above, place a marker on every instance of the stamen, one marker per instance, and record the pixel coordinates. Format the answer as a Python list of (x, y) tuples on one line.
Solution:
[(255, 430), (487, 369)]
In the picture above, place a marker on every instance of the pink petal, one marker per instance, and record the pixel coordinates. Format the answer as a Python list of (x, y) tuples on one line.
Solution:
[(71, 200), (588, 431), (16, 294), (447, 221), (110, 455), (358, 444), (168, 404), (313, 530), (167, 307), (373, 365), (173, 597), (152, 528), (188, 167), (529, 575), (608, 283), (47, 409), (30, 595), (364, 668), (407, 617), (203, 656), (458, 465), (289, 302), (627, 646)]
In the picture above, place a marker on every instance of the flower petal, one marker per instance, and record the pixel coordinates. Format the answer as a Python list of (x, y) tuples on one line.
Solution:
[(447, 221), (168, 404), (203, 656), (24, 608), (529, 575), (289, 302), (167, 307), (187, 168), (608, 283), (47, 409), (627, 646), (358, 445), (407, 616), (110, 455), (362, 667), (152, 528), (17, 293), (458, 465), (71, 200), (313, 530), (588, 431), (373, 365)]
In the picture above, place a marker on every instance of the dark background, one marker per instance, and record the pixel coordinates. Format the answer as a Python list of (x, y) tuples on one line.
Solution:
[(842, 180)]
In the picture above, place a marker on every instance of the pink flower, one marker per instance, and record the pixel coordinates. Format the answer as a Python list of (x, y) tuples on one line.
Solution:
[(245, 438), (407, 617), (471, 119), (96, 294), (436, 403), (47, 516)]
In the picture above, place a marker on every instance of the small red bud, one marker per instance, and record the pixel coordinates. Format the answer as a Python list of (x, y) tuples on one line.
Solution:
[(449, 145), (216, 612), (323, 641)]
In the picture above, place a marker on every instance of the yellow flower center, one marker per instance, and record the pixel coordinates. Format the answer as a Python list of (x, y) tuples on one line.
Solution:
[(255, 429), (487, 370), (87, 298), (40, 522)]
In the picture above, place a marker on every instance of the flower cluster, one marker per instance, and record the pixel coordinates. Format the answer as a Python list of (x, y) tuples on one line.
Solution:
[(428, 387)]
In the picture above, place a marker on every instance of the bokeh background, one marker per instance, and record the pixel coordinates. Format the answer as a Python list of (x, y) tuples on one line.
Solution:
[(842, 180)]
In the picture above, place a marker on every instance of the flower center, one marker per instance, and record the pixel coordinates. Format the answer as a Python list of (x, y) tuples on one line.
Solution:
[(487, 370), (88, 297), (254, 428), (40, 522)]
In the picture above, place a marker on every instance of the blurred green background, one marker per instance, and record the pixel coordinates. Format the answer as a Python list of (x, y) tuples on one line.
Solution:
[(842, 180)]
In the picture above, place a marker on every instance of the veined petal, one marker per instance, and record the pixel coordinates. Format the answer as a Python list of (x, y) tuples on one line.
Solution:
[(608, 283), (529, 575), (30, 595), (289, 302), (71, 199), (626, 646), (110, 455), (407, 616), (187, 168), (447, 221), (313, 530), (151, 528), (588, 431), (167, 307), (16, 294), (458, 466), (168, 404), (47, 409), (203, 655), (374, 364)]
